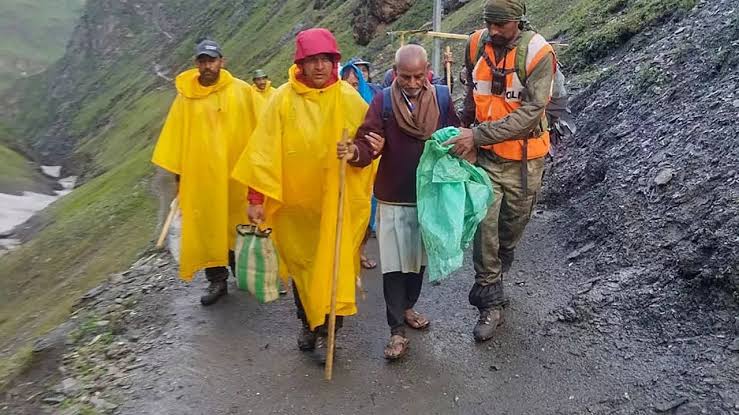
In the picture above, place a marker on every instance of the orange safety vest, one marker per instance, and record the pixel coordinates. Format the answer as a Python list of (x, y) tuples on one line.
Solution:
[(491, 107)]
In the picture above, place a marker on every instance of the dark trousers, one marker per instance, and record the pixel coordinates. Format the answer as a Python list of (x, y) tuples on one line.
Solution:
[(401, 293), (322, 329), (498, 234), (217, 274)]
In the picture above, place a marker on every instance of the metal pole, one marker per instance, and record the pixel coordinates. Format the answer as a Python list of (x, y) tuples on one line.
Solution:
[(437, 42)]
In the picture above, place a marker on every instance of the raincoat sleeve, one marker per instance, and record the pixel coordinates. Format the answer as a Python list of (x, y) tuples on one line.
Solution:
[(260, 164), (254, 106), (168, 151)]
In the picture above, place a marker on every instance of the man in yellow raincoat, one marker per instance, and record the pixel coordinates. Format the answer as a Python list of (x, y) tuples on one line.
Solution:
[(206, 130), (263, 85), (292, 171)]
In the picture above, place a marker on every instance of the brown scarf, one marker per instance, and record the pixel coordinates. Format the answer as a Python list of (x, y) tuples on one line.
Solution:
[(424, 119)]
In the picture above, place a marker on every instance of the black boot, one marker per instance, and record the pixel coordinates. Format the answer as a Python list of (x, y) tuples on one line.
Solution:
[(306, 339), (490, 319), (320, 350), (216, 290)]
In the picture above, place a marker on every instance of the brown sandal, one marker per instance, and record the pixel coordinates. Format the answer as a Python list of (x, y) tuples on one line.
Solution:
[(367, 263), (416, 320), (396, 347)]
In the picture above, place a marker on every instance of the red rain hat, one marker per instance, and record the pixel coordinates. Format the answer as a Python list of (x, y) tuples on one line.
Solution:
[(315, 42)]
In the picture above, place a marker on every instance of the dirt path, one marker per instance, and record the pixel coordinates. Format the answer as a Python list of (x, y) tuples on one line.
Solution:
[(239, 357)]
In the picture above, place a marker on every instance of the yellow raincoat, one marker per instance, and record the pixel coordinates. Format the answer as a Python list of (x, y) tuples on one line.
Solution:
[(205, 132), (291, 159), (265, 94)]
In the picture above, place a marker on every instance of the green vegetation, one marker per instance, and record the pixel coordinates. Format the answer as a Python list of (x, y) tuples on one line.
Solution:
[(33, 34), (85, 409), (595, 28), (649, 77), (14, 363), (16, 173), (591, 29), (101, 227)]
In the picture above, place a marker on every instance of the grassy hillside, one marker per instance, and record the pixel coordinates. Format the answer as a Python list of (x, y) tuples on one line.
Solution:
[(33, 34), (17, 173), (109, 114)]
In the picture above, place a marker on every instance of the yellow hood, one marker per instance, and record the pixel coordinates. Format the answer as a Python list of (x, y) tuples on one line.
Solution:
[(188, 85)]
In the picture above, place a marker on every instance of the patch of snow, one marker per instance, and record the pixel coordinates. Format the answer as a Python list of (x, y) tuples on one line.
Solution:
[(53, 171), (18, 209), (15, 209)]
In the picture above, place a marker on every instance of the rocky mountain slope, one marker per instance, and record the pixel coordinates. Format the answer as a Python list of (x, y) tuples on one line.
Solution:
[(650, 183)]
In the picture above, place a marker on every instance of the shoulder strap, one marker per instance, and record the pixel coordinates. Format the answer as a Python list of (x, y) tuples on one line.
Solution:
[(442, 98), (477, 45), (522, 51), (387, 104)]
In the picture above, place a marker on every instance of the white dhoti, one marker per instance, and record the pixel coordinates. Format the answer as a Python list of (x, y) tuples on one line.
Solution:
[(399, 236)]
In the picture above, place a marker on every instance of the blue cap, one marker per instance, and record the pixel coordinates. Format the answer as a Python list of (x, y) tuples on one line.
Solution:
[(208, 47), (357, 61)]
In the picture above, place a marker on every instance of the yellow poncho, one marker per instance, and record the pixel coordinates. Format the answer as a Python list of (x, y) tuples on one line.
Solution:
[(265, 94), (205, 132), (291, 159)]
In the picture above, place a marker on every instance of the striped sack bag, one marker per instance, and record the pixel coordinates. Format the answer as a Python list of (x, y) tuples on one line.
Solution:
[(257, 263)]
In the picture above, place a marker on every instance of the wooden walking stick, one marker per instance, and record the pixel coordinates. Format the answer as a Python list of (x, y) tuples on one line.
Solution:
[(449, 70), (337, 262), (167, 223)]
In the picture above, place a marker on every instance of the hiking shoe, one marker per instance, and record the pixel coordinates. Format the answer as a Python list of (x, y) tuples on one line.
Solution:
[(306, 339), (490, 319), (216, 290), (320, 349)]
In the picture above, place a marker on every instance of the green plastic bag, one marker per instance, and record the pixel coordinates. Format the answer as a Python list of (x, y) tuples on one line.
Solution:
[(453, 197), (257, 265)]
